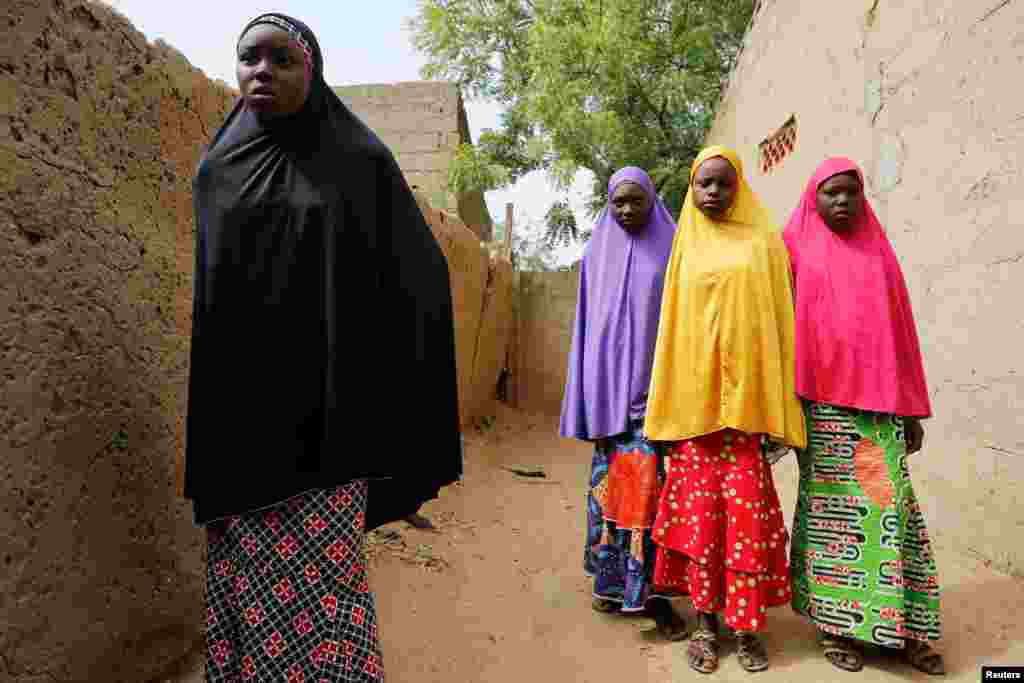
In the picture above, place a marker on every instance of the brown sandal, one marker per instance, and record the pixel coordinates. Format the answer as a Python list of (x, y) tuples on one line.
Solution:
[(922, 657), (751, 653), (841, 653), (703, 651)]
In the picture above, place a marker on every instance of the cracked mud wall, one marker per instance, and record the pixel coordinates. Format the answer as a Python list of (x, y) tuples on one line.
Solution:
[(494, 336), (100, 564), (482, 292), (924, 96)]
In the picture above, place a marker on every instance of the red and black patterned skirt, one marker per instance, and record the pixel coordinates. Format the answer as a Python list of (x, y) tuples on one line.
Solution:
[(287, 593)]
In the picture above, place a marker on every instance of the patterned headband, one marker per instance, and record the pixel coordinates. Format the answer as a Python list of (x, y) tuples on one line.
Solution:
[(293, 32)]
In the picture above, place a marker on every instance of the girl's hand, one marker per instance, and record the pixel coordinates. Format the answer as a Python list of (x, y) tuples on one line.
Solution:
[(773, 451), (914, 434)]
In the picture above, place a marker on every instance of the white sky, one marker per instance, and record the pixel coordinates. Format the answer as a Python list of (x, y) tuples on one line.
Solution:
[(362, 43)]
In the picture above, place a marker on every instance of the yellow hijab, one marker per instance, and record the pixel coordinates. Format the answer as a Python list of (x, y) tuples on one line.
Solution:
[(725, 351)]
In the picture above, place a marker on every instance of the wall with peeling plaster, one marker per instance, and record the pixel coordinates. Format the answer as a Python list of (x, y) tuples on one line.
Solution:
[(924, 96), (482, 300), (100, 565)]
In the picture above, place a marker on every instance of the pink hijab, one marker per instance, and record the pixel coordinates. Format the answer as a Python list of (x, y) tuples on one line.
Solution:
[(856, 342)]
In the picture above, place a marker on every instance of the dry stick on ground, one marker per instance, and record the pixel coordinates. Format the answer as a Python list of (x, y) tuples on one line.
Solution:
[(526, 471)]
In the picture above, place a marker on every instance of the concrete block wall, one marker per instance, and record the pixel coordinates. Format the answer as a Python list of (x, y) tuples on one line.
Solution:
[(546, 312), (920, 94), (423, 122), (419, 122)]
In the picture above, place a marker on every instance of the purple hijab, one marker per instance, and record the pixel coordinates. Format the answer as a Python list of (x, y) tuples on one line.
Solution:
[(616, 319)]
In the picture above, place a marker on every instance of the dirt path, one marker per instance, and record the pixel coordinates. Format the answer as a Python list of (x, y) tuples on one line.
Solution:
[(497, 594), (511, 604)]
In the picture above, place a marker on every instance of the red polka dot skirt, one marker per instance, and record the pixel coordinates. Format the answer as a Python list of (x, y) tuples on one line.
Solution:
[(720, 531)]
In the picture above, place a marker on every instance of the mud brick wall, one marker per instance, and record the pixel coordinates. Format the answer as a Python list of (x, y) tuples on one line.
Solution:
[(100, 565), (494, 337), (920, 94), (481, 298)]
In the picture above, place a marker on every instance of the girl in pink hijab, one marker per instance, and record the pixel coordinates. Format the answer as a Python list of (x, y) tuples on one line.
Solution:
[(862, 566)]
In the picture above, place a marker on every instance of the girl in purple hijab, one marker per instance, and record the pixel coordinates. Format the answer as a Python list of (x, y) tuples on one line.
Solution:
[(605, 398)]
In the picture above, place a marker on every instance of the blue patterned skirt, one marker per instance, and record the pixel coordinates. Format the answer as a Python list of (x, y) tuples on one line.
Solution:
[(622, 501)]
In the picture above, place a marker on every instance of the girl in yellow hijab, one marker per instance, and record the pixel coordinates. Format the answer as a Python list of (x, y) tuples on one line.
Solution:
[(723, 393)]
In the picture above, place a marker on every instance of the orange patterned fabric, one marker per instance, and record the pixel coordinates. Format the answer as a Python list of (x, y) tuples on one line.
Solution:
[(632, 496), (873, 475)]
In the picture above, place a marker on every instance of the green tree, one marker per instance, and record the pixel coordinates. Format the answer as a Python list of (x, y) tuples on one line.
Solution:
[(471, 170), (586, 84), (561, 223), (533, 250)]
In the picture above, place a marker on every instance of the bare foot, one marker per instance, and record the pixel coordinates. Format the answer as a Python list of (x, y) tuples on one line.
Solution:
[(420, 522)]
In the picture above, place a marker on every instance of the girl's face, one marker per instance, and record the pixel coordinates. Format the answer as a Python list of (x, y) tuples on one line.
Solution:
[(840, 200), (714, 187), (273, 75), (630, 206)]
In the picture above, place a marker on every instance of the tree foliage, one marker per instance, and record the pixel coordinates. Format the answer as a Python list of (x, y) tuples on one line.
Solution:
[(533, 249), (561, 222), (473, 170), (587, 84)]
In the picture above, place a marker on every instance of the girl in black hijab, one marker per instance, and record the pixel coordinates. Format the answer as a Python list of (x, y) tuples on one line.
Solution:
[(322, 391)]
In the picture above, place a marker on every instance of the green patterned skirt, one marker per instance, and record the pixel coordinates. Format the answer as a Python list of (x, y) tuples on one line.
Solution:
[(862, 565)]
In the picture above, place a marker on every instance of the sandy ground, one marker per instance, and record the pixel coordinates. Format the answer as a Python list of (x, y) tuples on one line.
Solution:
[(497, 593)]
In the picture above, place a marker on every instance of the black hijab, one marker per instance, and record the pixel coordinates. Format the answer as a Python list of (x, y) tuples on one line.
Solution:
[(323, 347)]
